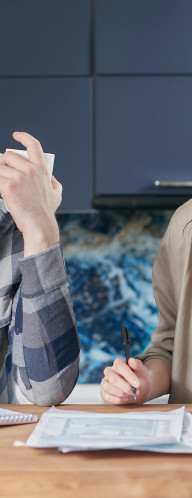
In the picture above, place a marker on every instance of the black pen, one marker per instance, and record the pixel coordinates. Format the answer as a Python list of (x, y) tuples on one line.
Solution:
[(126, 340)]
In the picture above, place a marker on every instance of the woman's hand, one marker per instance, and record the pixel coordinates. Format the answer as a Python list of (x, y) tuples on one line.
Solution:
[(118, 379)]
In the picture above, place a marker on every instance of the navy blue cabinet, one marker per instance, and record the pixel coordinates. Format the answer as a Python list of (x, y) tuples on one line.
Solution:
[(136, 55), (58, 112), (46, 87), (143, 134), (143, 36), (45, 37), (143, 102)]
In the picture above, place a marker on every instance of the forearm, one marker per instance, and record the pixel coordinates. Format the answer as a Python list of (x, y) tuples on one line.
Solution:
[(47, 335), (41, 237), (160, 374), (54, 390)]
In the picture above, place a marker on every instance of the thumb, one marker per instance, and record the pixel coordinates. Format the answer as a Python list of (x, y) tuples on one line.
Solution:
[(135, 365), (57, 191), (56, 185)]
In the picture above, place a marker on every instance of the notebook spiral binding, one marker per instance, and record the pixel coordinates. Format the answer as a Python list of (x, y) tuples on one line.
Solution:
[(23, 418)]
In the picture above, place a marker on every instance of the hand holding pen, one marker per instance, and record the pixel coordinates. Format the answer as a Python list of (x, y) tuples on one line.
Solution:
[(124, 379), (126, 341)]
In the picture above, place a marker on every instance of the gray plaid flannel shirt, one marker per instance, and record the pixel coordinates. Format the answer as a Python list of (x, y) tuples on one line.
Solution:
[(39, 344)]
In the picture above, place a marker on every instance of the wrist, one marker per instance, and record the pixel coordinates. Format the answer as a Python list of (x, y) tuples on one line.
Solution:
[(149, 391), (160, 377), (37, 239)]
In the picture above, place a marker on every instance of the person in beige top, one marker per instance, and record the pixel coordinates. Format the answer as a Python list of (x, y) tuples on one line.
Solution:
[(166, 366)]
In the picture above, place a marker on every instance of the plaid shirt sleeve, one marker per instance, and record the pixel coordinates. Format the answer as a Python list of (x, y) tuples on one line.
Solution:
[(45, 344)]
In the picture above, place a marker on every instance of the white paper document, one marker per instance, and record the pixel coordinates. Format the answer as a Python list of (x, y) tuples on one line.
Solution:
[(69, 430)]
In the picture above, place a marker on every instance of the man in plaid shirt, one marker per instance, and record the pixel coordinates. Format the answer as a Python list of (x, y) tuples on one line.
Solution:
[(39, 345)]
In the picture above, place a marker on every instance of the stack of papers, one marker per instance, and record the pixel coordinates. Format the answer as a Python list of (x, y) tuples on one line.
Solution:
[(169, 432)]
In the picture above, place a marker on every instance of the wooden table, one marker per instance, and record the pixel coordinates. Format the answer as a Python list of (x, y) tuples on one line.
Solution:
[(29, 472)]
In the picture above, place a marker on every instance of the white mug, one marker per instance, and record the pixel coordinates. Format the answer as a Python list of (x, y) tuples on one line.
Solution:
[(49, 161)]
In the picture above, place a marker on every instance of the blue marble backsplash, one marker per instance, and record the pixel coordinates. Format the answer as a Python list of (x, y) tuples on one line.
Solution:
[(109, 257)]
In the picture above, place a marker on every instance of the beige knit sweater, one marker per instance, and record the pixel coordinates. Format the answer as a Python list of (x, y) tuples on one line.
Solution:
[(172, 285)]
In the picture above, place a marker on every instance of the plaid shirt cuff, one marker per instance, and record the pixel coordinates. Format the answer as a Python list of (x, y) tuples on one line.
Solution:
[(43, 271)]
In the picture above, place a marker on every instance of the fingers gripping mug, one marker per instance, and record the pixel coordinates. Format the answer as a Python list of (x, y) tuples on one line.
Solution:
[(49, 160)]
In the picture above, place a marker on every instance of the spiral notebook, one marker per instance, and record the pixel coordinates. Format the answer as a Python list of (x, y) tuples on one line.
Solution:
[(10, 417)]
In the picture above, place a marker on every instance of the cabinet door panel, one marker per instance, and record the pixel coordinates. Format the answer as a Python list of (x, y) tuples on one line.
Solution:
[(143, 133), (57, 111), (45, 37), (137, 36)]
